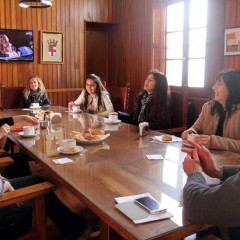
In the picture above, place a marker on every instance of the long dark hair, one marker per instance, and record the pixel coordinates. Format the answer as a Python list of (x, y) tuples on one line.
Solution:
[(160, 101), (232, 80), (99, 90)]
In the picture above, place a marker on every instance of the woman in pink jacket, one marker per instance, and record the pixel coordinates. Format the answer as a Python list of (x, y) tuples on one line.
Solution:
[(218, 124)]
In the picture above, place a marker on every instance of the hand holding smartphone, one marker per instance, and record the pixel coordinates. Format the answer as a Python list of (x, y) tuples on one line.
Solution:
[(151, 205)]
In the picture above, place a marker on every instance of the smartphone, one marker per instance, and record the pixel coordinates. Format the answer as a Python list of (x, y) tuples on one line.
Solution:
[(151, 205)]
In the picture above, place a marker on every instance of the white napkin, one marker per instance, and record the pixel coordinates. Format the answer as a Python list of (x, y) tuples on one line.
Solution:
[(62, 160), (155, 157)]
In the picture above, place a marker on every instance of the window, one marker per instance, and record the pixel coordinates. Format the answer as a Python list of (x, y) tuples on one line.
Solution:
[(186, 31)]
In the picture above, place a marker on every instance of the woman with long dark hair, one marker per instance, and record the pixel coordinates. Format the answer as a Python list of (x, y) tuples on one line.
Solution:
[(94, 98), (218, 123), (152, 105)]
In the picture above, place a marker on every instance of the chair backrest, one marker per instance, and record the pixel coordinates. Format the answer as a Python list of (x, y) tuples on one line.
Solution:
[(179, 109), (119, 97), (10, 96)]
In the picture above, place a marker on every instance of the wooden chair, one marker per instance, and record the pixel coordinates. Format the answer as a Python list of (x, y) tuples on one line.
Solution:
[(179, 113), (119, 97), (35, 193), (10, 96)]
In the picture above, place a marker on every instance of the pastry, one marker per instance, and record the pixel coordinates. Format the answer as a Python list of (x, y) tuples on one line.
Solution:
[(166, 138)]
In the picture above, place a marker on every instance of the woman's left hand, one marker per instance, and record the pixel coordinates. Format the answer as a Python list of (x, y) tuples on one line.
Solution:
[(203, 140)]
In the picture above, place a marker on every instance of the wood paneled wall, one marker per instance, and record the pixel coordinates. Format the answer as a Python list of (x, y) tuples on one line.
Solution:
[(130, 42)]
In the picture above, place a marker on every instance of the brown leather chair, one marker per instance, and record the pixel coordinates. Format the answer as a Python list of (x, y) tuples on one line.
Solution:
[(179, 113), (119, 97), (10, 96)]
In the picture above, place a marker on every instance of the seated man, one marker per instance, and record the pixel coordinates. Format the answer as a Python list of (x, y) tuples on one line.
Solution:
[(218, 205)]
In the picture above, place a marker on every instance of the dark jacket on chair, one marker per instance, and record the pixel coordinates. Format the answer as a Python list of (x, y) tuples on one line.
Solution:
[(160, 123)]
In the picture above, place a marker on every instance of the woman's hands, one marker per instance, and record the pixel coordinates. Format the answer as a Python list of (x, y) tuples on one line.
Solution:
[(70, 104), (202, 156)]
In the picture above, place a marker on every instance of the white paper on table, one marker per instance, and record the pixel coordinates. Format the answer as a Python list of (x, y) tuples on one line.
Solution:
[(155, 157), (150, 217), (62, 160), (174, 139)]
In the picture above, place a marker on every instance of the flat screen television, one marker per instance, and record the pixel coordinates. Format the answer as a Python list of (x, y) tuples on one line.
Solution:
[(16, 45)]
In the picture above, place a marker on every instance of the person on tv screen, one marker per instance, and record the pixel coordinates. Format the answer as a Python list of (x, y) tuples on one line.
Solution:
[(6, 48), (34, 92)]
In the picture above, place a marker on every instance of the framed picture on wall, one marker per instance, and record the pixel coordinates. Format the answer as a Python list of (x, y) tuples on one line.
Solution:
[(51, 47), (232, 41)]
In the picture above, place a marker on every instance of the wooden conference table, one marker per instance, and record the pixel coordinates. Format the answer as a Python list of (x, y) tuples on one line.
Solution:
[(119, 167)]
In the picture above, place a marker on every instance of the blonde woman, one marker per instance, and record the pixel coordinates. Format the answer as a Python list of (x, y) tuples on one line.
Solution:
[(34, 92)]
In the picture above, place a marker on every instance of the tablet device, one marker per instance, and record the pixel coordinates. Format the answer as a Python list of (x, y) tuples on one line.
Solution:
[(151, 205)]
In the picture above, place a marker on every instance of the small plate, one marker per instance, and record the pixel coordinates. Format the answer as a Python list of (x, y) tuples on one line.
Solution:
[(27, 136), (35, 108), (71, 111), (106, 120), (78, 150)]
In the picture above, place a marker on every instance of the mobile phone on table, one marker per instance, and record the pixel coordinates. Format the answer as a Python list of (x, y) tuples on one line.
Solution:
[(151, 205)]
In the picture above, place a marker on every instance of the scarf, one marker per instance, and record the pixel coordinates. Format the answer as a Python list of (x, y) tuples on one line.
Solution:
[(145, 100)]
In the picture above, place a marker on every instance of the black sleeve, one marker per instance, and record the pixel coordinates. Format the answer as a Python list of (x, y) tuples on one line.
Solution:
[(125, 117), (45, 101), (8, 121)]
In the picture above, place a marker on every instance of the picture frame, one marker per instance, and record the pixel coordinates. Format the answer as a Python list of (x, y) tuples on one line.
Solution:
[(232, 41), (51, 47)]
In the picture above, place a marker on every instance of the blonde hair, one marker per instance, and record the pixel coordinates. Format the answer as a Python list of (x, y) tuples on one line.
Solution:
[(4, 43), (41, 87)]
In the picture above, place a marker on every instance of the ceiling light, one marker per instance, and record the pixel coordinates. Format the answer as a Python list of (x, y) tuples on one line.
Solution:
[(35, 3)]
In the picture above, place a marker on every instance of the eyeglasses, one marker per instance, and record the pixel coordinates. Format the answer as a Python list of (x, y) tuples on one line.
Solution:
[(90, 85)]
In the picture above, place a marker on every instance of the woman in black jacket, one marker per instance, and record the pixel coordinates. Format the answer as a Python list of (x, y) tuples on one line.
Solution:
[(35, 92), (152, 105)]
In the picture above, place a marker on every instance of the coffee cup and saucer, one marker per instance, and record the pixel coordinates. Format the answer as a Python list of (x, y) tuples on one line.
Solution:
[(75, 109), (112, 118), (28, 131), (68, 146), (35, 106)]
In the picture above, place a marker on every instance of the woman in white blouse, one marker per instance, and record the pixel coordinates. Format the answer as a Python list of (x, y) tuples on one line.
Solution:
[(94, 98)]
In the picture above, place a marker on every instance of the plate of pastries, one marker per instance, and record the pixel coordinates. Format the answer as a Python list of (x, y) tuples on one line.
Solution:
[(90, 136), (40, 114)]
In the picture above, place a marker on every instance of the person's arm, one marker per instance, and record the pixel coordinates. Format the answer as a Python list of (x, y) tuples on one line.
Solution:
[(26, 118), (8, 121), (161, 123), (80, 99), (217, 205), (45, 101)]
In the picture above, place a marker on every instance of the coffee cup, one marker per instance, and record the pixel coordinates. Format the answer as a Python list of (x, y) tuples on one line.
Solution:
[(113, 116), (44, 124), (35, 105), (67, 144), (192, 136), (75, 108), (28, 130)]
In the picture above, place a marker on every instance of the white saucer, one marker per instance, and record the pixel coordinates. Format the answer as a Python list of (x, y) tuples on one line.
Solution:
[(27, 136), (78, 148), (71, 111), (112, 122), (35, 108)]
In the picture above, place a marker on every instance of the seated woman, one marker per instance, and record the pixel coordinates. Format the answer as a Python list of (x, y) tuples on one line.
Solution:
[(218, 122), (94, 98), (34, 92), (152, 105)]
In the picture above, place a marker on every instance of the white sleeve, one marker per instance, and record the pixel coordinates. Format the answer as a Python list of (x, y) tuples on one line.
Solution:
[(80, 99)]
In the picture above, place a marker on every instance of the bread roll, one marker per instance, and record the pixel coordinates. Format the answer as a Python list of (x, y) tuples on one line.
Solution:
[(166, 138)]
